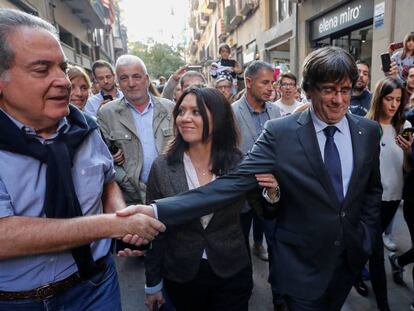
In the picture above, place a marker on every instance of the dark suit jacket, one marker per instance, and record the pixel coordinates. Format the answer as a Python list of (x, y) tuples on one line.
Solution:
[(176, 254), (312, 228)]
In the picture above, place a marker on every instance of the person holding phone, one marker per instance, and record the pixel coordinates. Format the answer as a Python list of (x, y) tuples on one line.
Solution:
[(105, 76), (388, 111), (405, 58)]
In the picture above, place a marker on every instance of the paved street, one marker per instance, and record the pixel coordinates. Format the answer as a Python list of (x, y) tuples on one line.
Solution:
[(132, 282)]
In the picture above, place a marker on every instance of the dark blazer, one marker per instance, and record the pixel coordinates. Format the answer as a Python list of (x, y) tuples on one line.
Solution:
[(312, 228), (176, 254)]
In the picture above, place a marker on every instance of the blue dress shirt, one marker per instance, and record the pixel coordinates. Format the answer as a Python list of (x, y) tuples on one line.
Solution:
[(95, 101), (343, 142), (22, 191), (143, 123)]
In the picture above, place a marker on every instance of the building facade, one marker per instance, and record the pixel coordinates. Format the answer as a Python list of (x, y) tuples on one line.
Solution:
[(283, 32), (88, 29)]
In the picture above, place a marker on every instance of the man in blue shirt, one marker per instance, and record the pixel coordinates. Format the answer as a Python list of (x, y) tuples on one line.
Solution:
[(58, 196), (105, 76)]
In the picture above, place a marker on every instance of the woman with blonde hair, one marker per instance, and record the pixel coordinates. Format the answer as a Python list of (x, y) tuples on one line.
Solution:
[(81, 85)]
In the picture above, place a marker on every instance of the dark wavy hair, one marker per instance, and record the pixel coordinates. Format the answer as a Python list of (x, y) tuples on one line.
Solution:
[(328, 65), (225, 137), (382, 89)]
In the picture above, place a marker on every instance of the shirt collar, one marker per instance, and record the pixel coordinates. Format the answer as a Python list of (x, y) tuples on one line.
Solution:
[(251, 110), (63, 125), (320, 125), (149, 106)]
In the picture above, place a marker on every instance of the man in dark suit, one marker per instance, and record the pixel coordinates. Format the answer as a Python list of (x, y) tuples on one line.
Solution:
[(327, 165)]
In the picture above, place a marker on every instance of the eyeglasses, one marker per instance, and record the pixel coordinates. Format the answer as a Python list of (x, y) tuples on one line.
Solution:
[(287, 84), (331, 91)]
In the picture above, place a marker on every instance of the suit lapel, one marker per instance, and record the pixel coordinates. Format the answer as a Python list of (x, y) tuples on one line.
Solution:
[(125, 117), (177, 177), (273, 111), (307, 137), (357, 137), (247, 117)]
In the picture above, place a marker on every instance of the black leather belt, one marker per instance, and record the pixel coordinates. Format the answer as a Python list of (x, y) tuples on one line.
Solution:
[(52, 289)]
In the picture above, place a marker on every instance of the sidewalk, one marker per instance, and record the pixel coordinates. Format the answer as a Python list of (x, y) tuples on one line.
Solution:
[(131, 276)]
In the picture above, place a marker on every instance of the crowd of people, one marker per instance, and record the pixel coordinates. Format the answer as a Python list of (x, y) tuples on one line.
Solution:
[(181, 172)]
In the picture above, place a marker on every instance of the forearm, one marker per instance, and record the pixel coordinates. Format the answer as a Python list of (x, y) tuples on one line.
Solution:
[(169, 87), (23, 236), (112, 198)]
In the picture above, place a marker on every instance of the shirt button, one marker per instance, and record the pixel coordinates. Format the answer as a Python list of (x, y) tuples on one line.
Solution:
[(343, 214), (52, 259), (82, 172), (126, 136), (337, 243)]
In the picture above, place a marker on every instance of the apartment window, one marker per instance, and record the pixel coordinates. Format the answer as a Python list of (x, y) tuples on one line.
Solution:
[(272, 12), (66, 37), (86, 50), (284, 9)]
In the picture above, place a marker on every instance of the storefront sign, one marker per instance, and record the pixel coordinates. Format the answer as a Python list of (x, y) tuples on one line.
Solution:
[(341, 18), (379, 15)]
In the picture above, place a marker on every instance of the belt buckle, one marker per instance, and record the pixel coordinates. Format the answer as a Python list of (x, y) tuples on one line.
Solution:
[(45, 291)]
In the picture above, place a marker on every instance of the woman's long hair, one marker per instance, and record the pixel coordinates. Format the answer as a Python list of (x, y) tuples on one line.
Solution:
[(383, 88), (225, 137), (408, 37)]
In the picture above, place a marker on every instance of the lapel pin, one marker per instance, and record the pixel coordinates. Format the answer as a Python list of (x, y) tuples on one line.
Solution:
[(359, 132)]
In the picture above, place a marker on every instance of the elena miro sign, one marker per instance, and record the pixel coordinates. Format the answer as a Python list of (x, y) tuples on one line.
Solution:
[(350, 14)]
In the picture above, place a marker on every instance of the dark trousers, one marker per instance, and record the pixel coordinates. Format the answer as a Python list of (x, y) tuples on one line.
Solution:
[(209, 292), (335, 295), (246, 220), (267, 226), (376, 261), (408, 256)]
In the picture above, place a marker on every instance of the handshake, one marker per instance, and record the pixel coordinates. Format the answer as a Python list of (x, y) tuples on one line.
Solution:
[(136, 226)]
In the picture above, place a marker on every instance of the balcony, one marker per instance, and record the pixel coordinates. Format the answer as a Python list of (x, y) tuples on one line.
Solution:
[(205, 17), (211, 4), (193, 48), (193, 20), (235, 21), (246, 7), (87, 12), (197, 35)]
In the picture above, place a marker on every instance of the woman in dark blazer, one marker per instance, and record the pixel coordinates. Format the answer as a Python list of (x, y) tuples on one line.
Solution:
[(203, 264)]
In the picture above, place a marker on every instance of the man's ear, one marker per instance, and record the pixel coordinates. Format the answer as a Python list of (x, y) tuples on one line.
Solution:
[(248, 82)]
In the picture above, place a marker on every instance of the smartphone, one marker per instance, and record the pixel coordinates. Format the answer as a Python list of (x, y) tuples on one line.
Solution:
[(386, 62), (195, 67), (396, 45), (407, 132), (106, 97)]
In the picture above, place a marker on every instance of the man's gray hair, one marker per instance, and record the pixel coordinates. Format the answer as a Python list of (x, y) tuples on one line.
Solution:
[(192, 73), (129, 60), (255, 66), (10, 21)]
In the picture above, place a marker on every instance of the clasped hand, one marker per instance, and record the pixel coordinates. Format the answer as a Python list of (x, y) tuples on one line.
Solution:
[(140, 227)]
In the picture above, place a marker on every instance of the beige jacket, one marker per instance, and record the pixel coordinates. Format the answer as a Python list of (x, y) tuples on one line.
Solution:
[(117, 125)]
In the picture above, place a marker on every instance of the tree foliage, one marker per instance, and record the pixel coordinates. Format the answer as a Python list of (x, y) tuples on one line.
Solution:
[(160, 58)]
